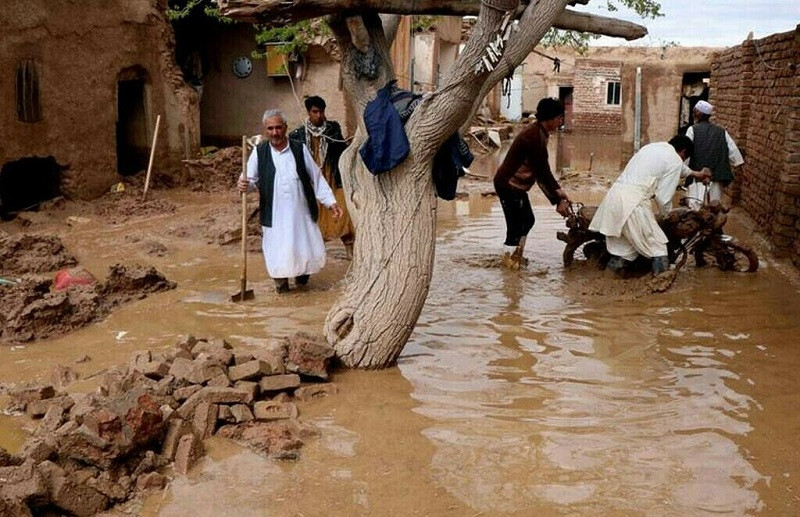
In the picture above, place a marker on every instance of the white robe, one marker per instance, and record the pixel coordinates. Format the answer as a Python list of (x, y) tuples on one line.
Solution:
[(293, 246), (626, 216)]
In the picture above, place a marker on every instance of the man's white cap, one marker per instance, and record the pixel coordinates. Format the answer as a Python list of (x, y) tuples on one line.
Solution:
[(704, 107)]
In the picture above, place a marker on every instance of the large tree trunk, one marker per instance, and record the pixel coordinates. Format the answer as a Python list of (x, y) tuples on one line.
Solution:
[(395, 219), (395, 212)]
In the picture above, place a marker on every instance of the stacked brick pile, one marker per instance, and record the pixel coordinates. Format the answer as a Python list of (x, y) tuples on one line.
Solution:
[(90, 451), (755, 91)]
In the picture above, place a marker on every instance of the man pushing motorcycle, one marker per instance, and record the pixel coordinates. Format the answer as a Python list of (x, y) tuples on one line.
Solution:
[(626, 215)]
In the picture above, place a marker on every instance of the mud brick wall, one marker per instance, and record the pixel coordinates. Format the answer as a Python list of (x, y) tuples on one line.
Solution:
[(755, 89), (591, 114), (83, 54)]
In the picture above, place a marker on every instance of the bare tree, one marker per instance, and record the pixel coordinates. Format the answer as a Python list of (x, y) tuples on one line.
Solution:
[(395, 212)]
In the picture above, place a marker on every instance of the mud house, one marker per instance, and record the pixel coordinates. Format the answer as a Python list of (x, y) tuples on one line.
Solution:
[(435, 45), (604, 122), (82, 86), (236, 83)]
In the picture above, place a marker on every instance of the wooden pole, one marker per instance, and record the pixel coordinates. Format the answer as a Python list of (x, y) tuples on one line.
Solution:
[(152, 155), (244, 220)]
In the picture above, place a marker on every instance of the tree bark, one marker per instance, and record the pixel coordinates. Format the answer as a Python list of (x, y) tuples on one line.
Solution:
[(278, 12), (395, 212), (395, 219)]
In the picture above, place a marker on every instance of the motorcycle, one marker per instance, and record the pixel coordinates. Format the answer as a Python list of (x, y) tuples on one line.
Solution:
[(690, 232)]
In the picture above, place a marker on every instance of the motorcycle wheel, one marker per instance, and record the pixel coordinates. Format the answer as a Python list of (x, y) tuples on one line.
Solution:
[(593, 250), (732, 256)]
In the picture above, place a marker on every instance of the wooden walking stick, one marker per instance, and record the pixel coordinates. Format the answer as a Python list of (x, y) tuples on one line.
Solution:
[(244, 294), (152, 155)]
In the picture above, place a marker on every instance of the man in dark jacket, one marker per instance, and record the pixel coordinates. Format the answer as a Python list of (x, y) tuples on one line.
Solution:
[(324, 140), (526, 163)]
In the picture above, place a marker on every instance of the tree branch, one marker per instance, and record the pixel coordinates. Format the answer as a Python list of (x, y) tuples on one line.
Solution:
[(279, 12)]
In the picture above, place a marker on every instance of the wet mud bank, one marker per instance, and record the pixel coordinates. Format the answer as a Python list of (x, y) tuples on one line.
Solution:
[(35, 304)]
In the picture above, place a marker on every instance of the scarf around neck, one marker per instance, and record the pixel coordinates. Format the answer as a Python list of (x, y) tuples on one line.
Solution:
[(318, 132)]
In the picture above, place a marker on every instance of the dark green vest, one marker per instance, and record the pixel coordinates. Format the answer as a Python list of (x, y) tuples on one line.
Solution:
[(266, 181), (711, 150)]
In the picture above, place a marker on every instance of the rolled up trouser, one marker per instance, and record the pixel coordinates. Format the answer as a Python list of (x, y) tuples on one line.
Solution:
[(696, 193), (518, 214)]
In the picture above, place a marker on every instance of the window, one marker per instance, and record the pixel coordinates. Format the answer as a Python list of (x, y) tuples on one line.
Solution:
[(612, 93), (29, 108)]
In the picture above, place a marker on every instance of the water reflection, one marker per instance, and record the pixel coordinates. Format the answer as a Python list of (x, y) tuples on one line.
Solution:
[(515, 396), (557, 404)]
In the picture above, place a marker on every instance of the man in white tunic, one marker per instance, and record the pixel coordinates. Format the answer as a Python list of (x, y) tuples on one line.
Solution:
[(289, 183), (626, 215), (713, 148)]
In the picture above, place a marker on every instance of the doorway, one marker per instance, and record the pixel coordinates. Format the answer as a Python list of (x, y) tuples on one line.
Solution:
[(695, 87), (132, 143)]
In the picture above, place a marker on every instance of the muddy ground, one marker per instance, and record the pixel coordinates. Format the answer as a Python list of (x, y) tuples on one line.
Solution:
[(533, 389)]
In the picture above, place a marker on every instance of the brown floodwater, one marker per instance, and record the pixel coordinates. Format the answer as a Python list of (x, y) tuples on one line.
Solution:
[(516, 394)]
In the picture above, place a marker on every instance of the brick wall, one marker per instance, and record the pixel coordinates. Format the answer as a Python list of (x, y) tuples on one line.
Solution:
[(590, 113), (755, 89)]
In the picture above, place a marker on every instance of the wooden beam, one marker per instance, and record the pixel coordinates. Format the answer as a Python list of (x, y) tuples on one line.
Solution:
[(280, 12), (602, 25)]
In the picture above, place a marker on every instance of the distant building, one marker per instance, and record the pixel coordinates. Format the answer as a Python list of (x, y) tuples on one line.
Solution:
[(599, 93)]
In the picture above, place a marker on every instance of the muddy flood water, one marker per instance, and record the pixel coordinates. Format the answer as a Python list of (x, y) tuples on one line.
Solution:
[(536, 392)]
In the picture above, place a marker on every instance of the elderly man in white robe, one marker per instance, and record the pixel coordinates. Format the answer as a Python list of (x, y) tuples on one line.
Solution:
[(626, 215), (713, 148), (289, 183)]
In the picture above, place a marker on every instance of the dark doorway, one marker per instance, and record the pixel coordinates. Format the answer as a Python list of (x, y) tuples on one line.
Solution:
[(132, 146), (565, 96), (695, 88), (27, 182)]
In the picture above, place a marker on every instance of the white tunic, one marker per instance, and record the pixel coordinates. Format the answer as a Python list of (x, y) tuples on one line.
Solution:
[(626, 216), (293, 246)]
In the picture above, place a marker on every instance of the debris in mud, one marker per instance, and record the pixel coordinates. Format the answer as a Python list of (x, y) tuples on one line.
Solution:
[(150, 246), (33, 309), (583, 278), (217, 172), (32, 254), (119, 207), (91, 451), (489, 137), (661, 282)]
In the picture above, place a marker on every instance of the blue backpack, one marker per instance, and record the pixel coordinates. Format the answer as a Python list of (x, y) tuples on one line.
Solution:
[(387, 145)]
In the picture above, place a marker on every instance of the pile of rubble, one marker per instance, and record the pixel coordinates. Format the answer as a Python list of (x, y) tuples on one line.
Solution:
[(489, 137), (90, 451), (32, 254), (216, 172)]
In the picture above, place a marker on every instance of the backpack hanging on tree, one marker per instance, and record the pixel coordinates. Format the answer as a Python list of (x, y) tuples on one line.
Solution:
[(387, 145)]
